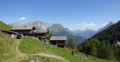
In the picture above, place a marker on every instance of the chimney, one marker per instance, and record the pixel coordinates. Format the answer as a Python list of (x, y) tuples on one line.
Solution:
[(25, 26)]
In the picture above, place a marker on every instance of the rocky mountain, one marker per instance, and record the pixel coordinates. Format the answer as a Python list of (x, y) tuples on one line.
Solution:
[(56, 28), (39, 24), (108, 25), (16, 24)]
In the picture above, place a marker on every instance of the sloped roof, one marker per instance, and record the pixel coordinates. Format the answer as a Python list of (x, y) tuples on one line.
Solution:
[(21, 28), (58, 38), (40, 31)]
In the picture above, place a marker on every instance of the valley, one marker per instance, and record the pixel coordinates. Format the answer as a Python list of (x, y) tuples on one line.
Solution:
[(29, 49)]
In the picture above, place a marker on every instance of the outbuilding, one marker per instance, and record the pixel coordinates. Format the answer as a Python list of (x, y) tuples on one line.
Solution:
[(59, 41)]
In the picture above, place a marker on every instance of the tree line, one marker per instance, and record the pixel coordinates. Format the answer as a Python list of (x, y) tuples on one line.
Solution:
[(100, 49)]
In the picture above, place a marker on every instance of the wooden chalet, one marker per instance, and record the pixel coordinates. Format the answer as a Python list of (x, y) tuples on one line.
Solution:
[(23, 30), (31, 32), (42, 34), (59, 41)]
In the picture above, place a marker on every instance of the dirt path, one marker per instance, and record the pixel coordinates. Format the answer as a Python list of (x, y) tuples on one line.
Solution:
[(15, 50), (20, 54), (52, 56)]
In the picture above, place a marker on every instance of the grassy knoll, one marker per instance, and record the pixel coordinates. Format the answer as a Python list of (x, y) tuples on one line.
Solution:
[(6, 43), (29, 45), (15, 56), (6, 48), (34, 46), (4, 26)]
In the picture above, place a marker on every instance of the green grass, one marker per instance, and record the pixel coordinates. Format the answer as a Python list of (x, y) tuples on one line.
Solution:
[(5, 43), (4, 26), (8, 45), (6, 48), (29, 45), (34, 46)]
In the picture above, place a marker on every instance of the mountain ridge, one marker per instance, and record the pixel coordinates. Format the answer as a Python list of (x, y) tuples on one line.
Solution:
[(87, 33), (110, 34)]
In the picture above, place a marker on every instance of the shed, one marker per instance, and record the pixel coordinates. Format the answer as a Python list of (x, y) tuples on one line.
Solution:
[(60, 41)]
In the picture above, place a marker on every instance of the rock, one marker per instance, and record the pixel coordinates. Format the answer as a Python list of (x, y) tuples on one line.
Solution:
[(85, 57), (37, 60), (26, 57), (5, 54), (32, 61), (43, 57), (48, 59)]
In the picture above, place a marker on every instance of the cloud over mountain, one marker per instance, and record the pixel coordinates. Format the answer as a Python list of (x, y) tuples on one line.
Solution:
[(87, 33), (86, 24), (21, 18)]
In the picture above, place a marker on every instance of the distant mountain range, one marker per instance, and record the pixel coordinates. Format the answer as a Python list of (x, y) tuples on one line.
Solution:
[(87, 33), (58, 30)]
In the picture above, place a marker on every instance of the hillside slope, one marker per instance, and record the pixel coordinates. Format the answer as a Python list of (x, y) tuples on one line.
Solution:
[(6, 43), (35, 47), (111, 34), (4, 26), (104, 44)]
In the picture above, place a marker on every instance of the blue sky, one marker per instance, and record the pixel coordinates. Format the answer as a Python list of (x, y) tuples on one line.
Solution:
[(72, 14)]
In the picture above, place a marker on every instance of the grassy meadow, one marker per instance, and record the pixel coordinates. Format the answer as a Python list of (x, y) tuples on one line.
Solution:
[(35, 46)]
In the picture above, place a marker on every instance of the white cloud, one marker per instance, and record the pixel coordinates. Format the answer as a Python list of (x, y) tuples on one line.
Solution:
[(22, 18), (105, 24), (86, 25)]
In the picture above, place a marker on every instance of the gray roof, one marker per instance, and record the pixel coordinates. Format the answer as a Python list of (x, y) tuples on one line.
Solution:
[(21, 28), (58, 38), (40, 31)]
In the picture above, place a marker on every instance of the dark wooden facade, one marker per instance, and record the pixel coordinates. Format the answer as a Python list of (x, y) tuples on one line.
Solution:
[(59, 41), (42, 35)]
